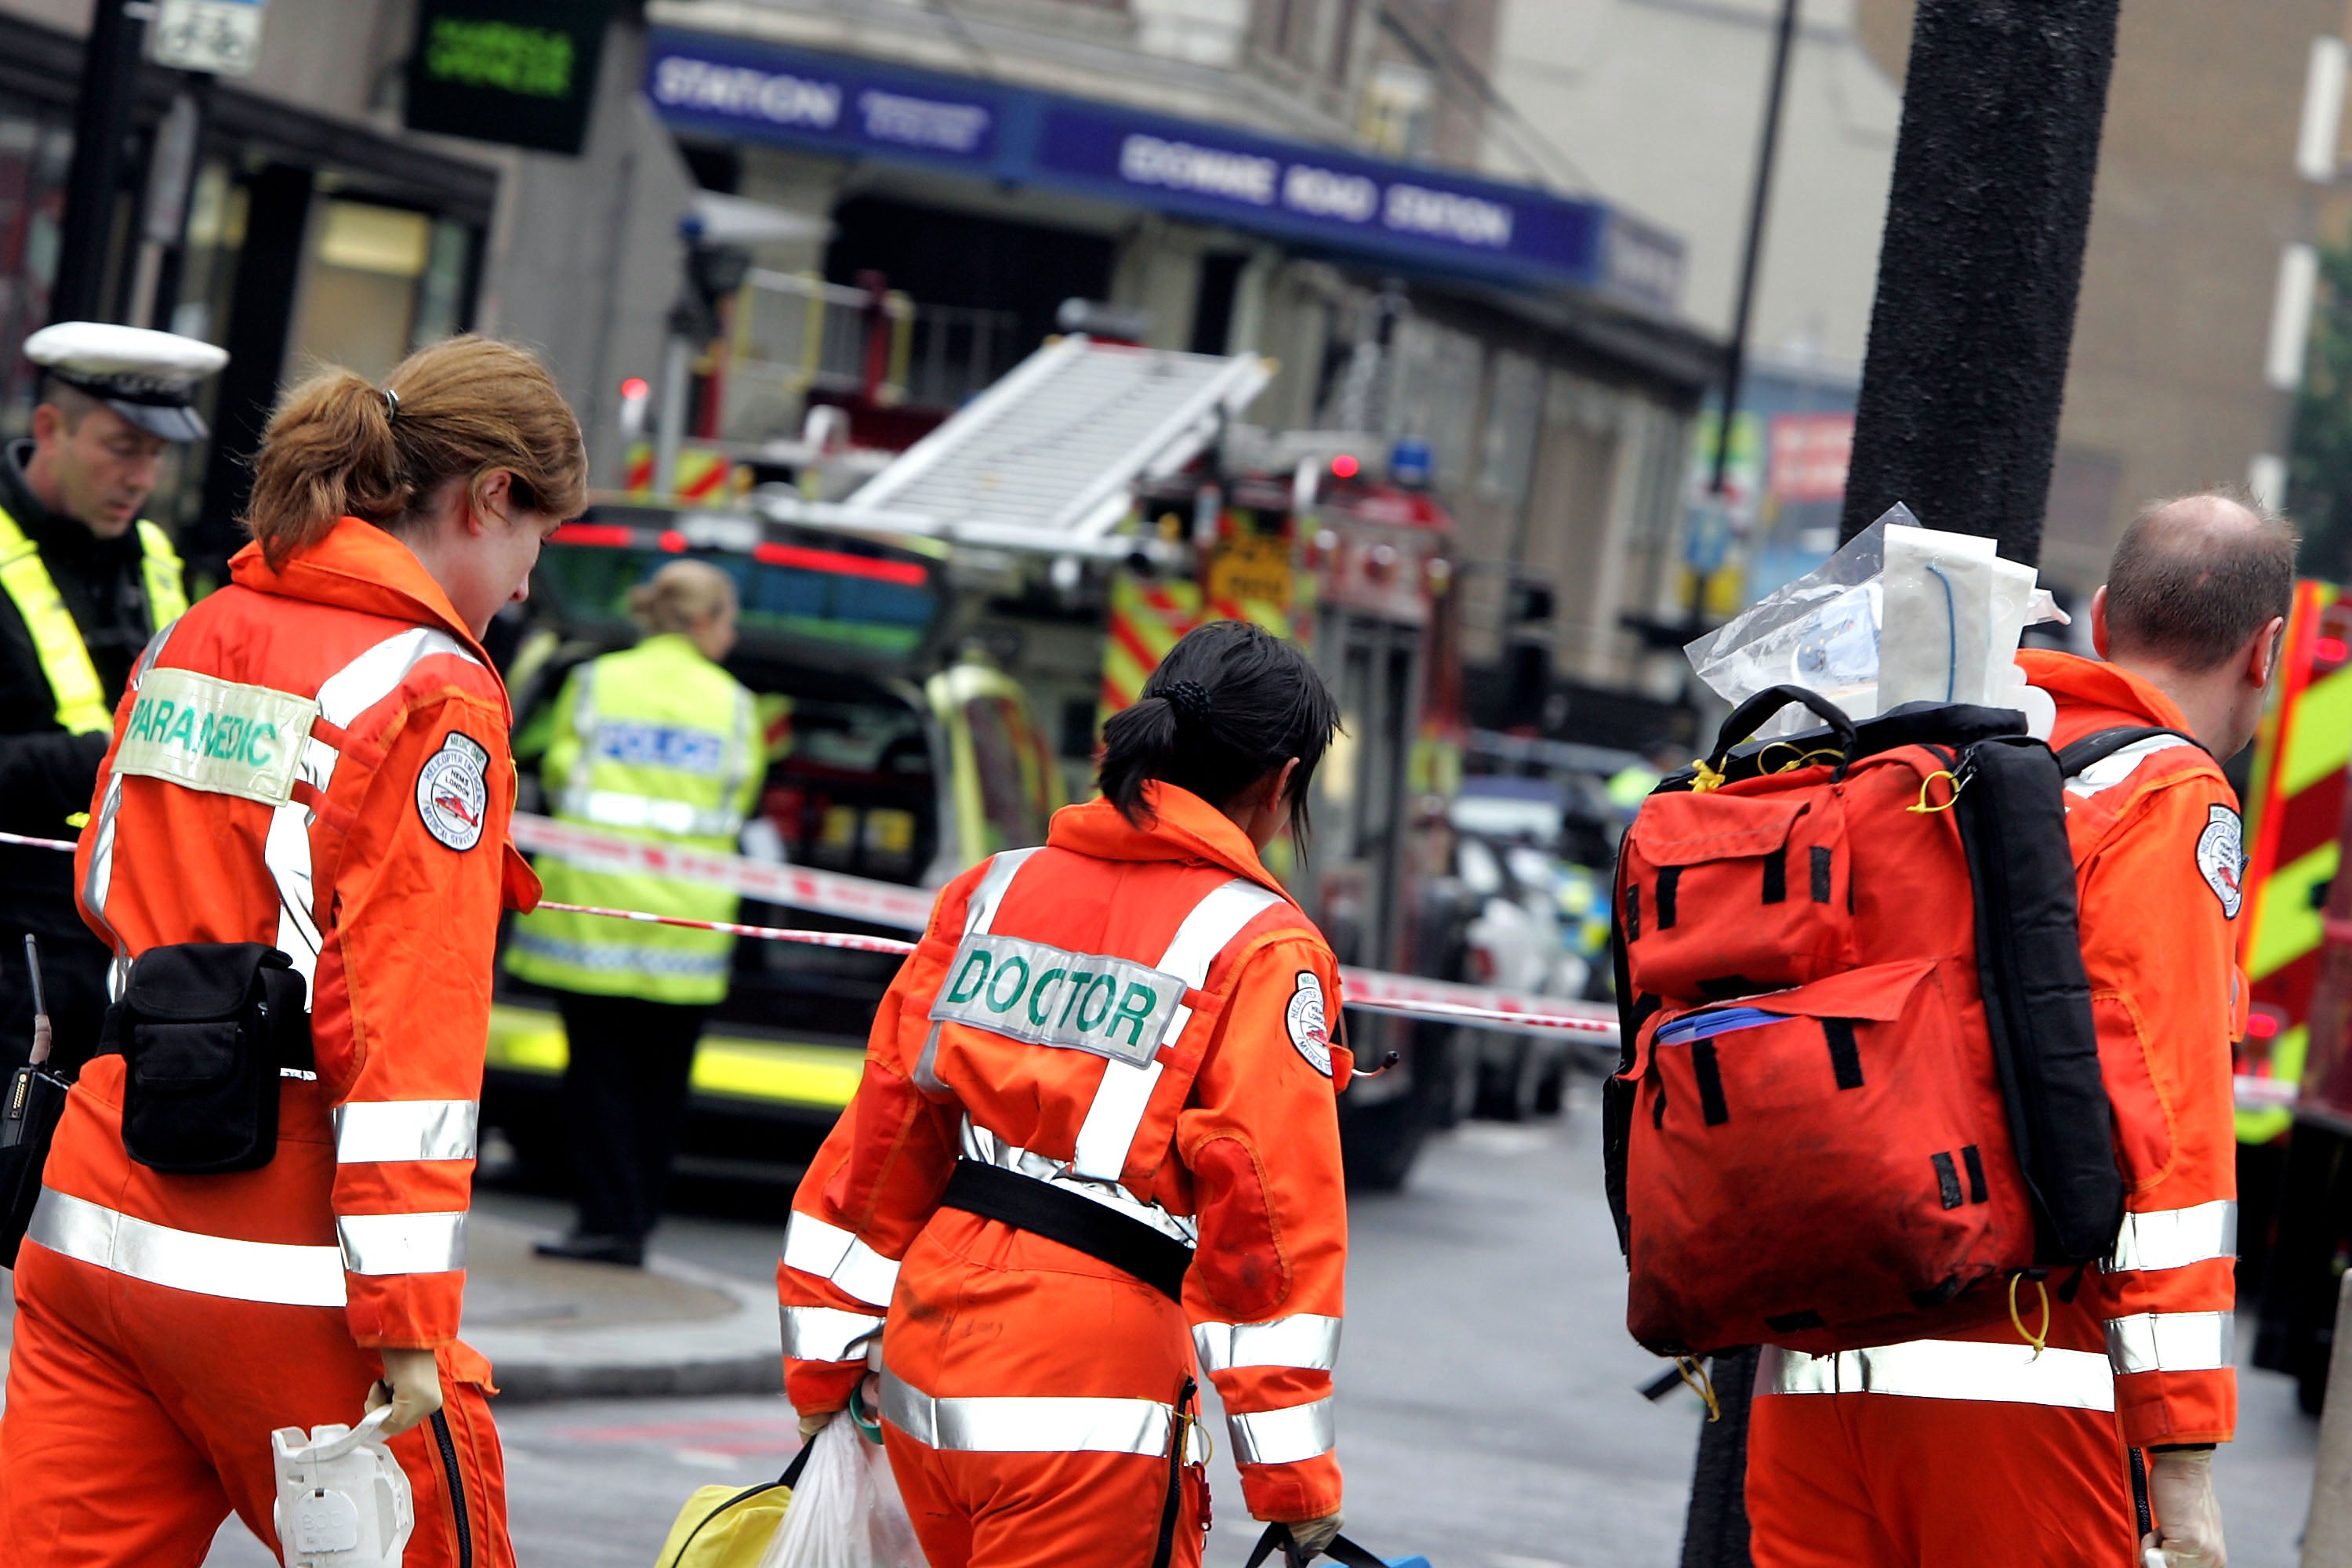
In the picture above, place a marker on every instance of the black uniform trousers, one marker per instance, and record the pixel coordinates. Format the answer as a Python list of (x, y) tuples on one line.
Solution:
[(625, 1093)]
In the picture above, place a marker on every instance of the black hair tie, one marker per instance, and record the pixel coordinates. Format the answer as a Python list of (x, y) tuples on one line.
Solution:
[(1190, 698)]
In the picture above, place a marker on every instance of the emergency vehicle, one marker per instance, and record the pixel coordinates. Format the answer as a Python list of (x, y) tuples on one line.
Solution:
[(2294, 1083), (1027, 564)]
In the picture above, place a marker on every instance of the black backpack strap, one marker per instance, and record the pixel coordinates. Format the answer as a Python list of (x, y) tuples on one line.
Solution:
[(1341, 1551), (2098, 748)]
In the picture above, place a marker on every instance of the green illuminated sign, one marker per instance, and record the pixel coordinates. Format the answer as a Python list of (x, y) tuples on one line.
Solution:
[(517, 71)]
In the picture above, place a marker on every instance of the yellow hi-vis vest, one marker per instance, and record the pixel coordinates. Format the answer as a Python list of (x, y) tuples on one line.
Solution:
[(655, 742), (57, 641)]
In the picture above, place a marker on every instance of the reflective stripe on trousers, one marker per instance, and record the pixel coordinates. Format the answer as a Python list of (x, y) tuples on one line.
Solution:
[(183, 1260), (1044, 1424), (2001, 1373)]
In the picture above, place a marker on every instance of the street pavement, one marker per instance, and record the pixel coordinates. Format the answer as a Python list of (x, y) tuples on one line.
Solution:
[(1488, 1412)]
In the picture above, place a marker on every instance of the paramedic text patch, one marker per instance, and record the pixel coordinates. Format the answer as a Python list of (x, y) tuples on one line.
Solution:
[(452, 794), (1111, 1007), (221, 736)]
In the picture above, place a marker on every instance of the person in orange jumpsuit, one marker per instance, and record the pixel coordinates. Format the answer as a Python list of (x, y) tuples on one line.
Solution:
[(1097, 1113), (1974, 1449), (314, 758)]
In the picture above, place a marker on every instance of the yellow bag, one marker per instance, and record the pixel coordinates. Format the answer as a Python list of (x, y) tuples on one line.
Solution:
[(721, 1527)]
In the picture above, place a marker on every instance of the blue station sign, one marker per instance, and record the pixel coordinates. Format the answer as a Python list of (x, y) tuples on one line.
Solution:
[(1318, 198)]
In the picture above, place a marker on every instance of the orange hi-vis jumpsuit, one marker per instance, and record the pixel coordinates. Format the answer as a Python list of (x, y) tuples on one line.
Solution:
[(166, 1324), (1134, 1020), (1944, 1453)]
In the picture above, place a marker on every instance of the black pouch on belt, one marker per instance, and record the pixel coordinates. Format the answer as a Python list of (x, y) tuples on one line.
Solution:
[(204, 1028)]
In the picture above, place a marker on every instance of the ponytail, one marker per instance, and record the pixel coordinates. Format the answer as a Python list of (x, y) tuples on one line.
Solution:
[(1229, 705), (338, 445)]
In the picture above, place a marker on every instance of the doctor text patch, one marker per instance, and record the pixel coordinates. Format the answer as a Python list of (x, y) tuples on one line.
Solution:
[(1111, 1007)]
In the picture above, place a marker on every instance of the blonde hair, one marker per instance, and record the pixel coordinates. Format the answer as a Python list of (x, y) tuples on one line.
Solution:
[(340, 446), (681, 597)]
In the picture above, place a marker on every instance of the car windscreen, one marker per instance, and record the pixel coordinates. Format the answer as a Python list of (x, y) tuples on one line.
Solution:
[(880, 604)]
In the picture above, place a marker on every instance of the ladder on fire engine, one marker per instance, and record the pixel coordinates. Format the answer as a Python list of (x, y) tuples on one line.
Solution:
[(1047, 459)]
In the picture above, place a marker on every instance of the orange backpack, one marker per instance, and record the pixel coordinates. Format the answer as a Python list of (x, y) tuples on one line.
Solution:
[(1860, 1090)]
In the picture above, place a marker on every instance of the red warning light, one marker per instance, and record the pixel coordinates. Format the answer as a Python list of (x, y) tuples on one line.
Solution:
[(2262, 1024), (672, 540), (2330, 650), (1344, 467), (637, 387)]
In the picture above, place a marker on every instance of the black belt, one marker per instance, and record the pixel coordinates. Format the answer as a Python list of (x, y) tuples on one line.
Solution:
[(1081, 1224)]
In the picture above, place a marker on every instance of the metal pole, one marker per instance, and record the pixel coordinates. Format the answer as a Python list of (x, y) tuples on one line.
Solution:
[(2328, 1540), (109, 76), (669, 430), (1760, 201)]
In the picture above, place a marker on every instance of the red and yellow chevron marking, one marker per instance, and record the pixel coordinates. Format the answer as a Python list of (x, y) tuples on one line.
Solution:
[(2297, 803), (704, 475), (638, 476), (1145, 620)]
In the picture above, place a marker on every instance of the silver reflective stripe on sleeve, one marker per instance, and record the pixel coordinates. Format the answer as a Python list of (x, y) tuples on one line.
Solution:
[(1993, 1371), (1125, 1094), (1049, 1425), (372, 1129), (269, 1271), (829, 1252), (1282, 1437), (2175, 1238), (827, 1334), (2172, 1341), (403, 1243), (1303, 1340)]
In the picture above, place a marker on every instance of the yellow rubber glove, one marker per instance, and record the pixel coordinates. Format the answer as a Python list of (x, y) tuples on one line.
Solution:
[(411, 1385), (2188, 1531)]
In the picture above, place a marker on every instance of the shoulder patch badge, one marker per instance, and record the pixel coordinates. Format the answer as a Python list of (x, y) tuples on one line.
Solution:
[(2222, 858), (453, 792), (1309, 1031)]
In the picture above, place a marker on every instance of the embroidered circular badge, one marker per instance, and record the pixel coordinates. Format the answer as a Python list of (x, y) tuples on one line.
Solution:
[(453, 792), (2222, 858), (1308, 1030)]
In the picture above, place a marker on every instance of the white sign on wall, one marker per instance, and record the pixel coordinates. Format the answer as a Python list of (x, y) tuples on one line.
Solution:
[(221, 36)]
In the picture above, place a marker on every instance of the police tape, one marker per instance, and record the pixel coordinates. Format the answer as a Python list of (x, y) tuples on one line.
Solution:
[(887, 904)]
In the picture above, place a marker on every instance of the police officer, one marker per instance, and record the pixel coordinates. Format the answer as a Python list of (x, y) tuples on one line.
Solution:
[(655, 741), (85, 583)]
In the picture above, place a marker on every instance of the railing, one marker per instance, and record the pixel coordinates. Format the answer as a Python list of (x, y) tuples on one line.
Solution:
[(795, 334)]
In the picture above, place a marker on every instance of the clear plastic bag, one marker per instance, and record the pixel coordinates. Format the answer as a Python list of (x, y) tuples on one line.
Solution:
[(1824, 631), (1820, 632), (845, 1512)]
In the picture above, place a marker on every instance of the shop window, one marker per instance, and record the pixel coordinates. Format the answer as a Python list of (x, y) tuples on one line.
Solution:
[(34, 153), (363, 282)]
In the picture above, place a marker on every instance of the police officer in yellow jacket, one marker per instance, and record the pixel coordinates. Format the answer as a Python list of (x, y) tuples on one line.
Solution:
[(658, 742), (84, 582)]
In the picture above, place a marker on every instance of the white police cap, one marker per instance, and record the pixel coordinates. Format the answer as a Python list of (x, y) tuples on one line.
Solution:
[(148, 377)]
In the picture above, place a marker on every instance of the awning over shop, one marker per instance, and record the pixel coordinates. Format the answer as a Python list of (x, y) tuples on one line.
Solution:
[(1318, 198)]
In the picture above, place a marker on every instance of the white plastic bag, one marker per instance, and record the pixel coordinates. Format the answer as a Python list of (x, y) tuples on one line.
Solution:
[(845, 1512)]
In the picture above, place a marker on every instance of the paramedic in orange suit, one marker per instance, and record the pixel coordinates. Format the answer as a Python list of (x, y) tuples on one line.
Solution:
[(1972, 1450), (166, 1324), (1096, 1135)]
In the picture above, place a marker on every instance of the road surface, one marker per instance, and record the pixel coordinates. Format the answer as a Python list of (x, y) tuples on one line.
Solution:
[(1487, 1413)]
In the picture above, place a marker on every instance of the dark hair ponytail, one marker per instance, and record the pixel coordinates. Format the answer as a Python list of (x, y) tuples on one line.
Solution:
[(1230, 704)]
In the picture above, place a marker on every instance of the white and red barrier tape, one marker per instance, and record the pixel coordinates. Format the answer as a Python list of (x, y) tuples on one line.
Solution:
[(871, 902)]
